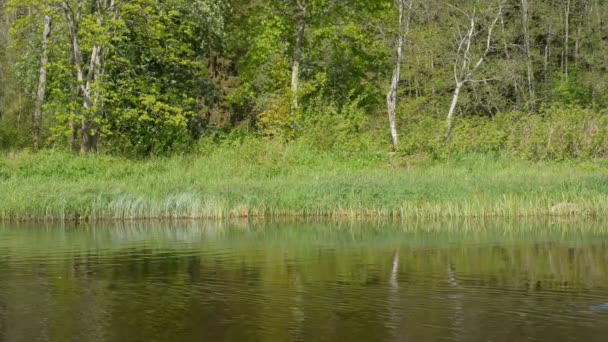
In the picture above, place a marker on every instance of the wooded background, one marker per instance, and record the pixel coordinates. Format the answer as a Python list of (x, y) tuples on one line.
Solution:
[(154, 77)]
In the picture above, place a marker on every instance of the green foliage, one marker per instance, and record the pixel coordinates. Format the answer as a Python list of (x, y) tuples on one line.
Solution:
[(561, 133), (567, 90), (557, 133), (12, 135), (276, 120), (328, 127), (175, 74), (421, 133), (155, 79)]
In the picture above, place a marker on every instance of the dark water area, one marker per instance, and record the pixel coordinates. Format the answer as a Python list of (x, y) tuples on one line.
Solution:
[(308, 281)]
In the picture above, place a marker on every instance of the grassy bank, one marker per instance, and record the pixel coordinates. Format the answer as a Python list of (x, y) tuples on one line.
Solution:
[(265, 179)]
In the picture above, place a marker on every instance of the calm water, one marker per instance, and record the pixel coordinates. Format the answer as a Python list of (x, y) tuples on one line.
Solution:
[(513, 281)]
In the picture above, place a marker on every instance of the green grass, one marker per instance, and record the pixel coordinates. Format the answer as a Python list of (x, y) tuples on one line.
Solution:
[(260, 179)]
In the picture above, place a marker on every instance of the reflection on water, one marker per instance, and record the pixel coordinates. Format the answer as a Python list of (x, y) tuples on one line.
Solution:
[(509, 281)]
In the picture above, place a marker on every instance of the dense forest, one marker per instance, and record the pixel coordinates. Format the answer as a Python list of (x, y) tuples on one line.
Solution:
[(156, 77)]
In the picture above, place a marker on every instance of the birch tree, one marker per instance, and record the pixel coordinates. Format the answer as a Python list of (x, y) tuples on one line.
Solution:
[(465, 66), (41, 93), (529, 67), (566, 40), (87, 72), (302, 12), (405, 15), (141, 77), (30, 38)]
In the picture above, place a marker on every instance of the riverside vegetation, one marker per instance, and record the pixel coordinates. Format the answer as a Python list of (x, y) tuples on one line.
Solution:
[(114, 109), (266, 179)]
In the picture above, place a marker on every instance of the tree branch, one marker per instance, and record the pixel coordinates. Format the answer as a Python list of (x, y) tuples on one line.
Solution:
[(489, 40)]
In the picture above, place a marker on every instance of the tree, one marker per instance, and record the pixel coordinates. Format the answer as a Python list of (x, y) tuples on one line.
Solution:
[(147, 77), (464, 69), (160, 68), (530, 72), (302, 12), (391, 98), (44, 60), (88, 72), (566, 8)]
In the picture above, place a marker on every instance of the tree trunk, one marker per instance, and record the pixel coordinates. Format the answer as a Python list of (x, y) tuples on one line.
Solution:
[(547, 66), (464, 72), (391, 97), (525, 24), (44, 60), (508, 57), (297, 55), (88, 127), (74, 144), (89, 134), (565, 51), (392, 105), (579, 29), (93, 103), (547, 54), (450, 121)]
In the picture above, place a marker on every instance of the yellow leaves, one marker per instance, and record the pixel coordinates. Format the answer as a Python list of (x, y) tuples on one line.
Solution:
[(147, 100), (173, 14), (159, 112), (144, 117)]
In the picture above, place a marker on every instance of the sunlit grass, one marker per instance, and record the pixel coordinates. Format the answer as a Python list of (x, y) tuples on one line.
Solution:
[(269, 180)]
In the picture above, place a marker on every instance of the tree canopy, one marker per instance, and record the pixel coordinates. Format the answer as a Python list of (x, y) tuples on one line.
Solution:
[(150, 77)]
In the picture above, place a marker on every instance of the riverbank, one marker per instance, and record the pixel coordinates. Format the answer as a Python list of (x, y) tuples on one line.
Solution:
[(269, 180)]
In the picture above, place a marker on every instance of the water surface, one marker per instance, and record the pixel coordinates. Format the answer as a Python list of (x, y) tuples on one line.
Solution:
[(241, 281)]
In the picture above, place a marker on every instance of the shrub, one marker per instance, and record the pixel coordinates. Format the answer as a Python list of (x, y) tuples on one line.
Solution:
[(556, 133)]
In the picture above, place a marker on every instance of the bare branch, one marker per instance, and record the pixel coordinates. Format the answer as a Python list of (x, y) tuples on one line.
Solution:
[(456, 75), (485, 80), (466, 57), (489, 40), (463, 60), (458, 9)]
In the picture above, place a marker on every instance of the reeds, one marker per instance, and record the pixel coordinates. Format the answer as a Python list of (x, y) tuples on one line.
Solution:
[(281, 183)]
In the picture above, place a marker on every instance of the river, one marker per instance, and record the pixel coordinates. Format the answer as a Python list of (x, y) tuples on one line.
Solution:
[(305, 281)]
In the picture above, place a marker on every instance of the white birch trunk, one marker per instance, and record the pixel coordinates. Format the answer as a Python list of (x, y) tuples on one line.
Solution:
[(41, 93), (565, 51), (452, 111), (88, 128), (391, 97), (463, 71), (297, 55), (546, 70), (530, 72), (72, 17)]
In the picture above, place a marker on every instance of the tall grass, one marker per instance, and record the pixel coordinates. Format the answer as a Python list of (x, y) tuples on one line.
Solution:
[(264, 179)]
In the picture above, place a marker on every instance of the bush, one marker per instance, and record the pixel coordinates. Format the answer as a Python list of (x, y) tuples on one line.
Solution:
[(560, 133), (327, 127), (12, 136), (557, 133)]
